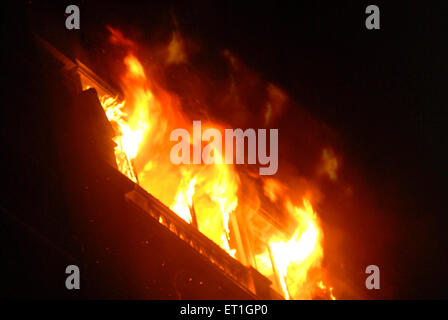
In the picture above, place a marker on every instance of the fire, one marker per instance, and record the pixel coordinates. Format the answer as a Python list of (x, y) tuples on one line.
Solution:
[(183, 203), (272, 189), (275, 104), (176, 51), (134, 67), (293, 258), (330, 164), (322, 286), (123, 152), (205, 196)]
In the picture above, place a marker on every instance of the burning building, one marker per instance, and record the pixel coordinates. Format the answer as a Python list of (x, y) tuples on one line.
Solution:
[(113, 147), (197, 205), (140, 226), (91, 183)]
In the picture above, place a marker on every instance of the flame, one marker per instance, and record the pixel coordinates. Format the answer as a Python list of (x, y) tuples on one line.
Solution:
[(134, 67), (176, 50), (124, 152), (184, 198), (206, 194), (296, 256), (293, 258), (330, 164), (272, 189), (322, 286), (275, 104)]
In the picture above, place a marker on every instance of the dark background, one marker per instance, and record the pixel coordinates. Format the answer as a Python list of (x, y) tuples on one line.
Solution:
[(382, 90)]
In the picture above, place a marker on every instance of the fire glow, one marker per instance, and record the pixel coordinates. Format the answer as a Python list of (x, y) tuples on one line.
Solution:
[(208, 196)]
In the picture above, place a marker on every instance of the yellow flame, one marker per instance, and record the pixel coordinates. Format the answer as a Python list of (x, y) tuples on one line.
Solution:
[(295, 257), (134, 66), (184, 198)]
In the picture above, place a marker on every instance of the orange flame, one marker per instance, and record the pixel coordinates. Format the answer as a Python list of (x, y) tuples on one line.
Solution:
[(143, 122), (176, 50)]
